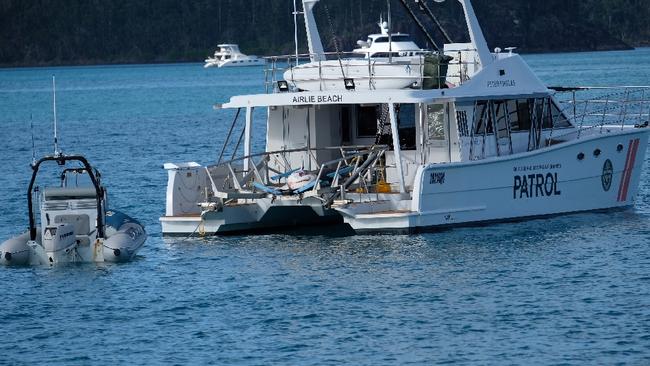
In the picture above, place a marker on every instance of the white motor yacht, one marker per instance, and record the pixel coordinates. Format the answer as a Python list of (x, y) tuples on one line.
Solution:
[(385, 44), (229, 55), (496, 145)]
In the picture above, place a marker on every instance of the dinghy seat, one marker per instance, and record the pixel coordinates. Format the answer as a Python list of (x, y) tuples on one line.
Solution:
[(51, 194)]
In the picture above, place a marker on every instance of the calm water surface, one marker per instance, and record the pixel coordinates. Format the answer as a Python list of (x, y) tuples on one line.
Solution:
[(568, 290)]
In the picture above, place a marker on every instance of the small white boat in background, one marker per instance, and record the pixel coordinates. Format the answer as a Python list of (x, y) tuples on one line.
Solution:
[(385, 43), (75, 225), (229, 55)]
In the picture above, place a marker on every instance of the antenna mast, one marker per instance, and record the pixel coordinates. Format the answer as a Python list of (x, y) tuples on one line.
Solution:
[(390, 34), (56, 140), (31, 127), (295, 28)]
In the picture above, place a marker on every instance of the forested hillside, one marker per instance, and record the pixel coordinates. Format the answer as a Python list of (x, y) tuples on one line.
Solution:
[(40, 32)]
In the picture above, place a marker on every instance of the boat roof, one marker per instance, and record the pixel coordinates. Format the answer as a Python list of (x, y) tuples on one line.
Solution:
[(508, 77)]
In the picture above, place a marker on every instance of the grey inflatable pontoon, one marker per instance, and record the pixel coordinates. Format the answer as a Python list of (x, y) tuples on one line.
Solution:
[(75, 225)]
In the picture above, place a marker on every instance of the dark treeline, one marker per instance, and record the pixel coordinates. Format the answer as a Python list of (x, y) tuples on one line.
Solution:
[(40, 32)]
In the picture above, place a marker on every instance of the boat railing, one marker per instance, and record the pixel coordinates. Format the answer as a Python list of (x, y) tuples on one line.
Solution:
[(598, 109), (450, 73), (263, 174)]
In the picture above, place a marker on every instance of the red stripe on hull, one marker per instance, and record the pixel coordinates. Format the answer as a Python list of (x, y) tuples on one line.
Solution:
[(626, 186), (625, 169)]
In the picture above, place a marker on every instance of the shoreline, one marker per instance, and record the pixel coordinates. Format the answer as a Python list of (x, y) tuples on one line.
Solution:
[(99, 63)]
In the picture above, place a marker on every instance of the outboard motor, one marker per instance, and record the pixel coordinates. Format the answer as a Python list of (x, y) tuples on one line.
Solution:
[(58, 241)]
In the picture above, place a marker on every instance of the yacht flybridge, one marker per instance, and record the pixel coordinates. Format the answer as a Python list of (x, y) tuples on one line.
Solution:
[(229, 55), (488, 143)]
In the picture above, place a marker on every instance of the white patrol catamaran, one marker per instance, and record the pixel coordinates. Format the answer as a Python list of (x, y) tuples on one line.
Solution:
[(488, 142)]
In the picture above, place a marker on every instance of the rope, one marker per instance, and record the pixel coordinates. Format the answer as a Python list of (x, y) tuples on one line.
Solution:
[(232, 126), (334, 40), (194, 232), (241, 136)]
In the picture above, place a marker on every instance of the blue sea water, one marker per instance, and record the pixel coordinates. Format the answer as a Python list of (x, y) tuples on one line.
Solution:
[(566, 290)]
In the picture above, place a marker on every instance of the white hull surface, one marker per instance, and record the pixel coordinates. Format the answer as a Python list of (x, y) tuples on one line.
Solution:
[(368, 74), (234, 63), (530, 184), (527, 185)]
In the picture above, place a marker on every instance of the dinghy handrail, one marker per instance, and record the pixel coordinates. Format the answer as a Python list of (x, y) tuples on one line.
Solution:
[(61, 159)]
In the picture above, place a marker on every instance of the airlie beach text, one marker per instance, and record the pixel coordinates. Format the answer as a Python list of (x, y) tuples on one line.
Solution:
[(311, 99)]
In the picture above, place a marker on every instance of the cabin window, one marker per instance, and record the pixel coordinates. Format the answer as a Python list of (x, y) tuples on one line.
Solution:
[(405, 114), (346, 119), (482, 118), (385, 54), (461, 117), (435, 123), (519, 114), (381, 40), (401, 38), (559, 118), (367, 121)]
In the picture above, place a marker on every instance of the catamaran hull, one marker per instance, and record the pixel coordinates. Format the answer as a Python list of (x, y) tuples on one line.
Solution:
[(261, 216), (590, 174)]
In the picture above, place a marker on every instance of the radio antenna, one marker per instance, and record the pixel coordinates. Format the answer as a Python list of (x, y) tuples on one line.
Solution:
[(31, 127), (56, 139), (295, 28)]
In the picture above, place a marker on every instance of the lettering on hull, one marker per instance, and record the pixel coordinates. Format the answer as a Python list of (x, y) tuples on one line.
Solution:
[(535, 185), (437, 178)]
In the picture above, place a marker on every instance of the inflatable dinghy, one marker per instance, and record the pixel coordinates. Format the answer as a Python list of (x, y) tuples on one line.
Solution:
[(75, 225)]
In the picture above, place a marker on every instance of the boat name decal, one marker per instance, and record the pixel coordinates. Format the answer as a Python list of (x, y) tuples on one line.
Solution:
[(437, 178), (310, 99), (501, 83), (535, 185)]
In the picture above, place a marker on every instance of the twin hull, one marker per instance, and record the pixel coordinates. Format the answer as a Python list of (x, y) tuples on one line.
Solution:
[(590, 173)]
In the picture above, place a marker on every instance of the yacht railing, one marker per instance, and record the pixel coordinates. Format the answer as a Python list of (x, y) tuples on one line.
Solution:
[(356, 167), (368, 71), (594, 109)]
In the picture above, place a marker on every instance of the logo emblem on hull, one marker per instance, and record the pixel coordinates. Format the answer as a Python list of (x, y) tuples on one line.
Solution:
[(608, 174)]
